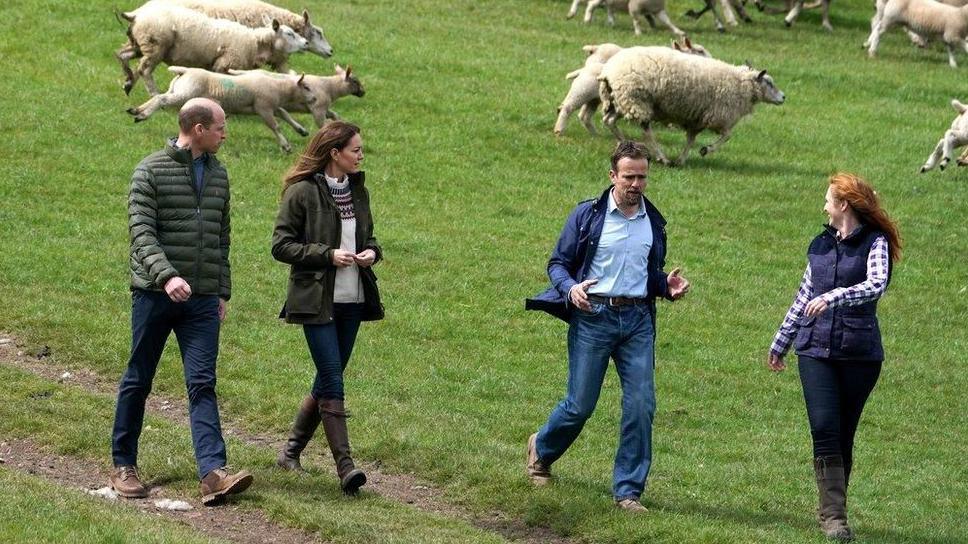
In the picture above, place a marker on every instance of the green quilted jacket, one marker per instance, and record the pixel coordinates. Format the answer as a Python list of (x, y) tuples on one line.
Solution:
[(175, 231)]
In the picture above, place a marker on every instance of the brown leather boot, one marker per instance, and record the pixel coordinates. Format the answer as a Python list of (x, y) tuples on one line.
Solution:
[(126, 482), (334, 424), (219, 482), (303, 428), (832, 489)]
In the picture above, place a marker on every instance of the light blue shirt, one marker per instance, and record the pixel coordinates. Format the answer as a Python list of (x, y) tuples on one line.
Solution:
[(622, 257)]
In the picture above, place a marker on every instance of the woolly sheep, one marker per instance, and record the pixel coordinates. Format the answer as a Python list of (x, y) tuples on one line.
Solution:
[(953, 138), (650, 9), (646, 84), (728, 7), (916, 39), (180, 36), (927, 18), (252, 13), (583, 93)]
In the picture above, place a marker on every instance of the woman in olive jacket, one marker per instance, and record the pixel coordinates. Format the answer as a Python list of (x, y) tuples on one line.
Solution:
[(324, 230), (833, 327)]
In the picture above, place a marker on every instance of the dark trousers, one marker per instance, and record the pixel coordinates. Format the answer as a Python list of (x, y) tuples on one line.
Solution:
[(196, 325), (331, 346), (835, 393)]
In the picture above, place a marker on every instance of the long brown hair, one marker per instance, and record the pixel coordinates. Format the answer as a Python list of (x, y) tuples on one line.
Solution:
[(316, 156), (862, 198)]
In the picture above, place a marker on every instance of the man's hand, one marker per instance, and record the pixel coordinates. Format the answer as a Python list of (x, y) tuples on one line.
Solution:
[(816, 307), (365, 258), (578, 294), (223, 308), (178, 289), (342, 258), (678, 285), (775, 362)]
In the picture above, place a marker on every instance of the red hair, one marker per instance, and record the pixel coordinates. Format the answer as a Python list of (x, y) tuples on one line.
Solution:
[(861, 198)]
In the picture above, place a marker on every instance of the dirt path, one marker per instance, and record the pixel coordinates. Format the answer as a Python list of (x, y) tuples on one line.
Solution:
[(398, 487)]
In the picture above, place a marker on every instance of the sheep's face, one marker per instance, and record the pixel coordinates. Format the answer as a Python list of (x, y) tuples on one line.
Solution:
[(356, 87), (767, 90), (287, 40), (314, 35)]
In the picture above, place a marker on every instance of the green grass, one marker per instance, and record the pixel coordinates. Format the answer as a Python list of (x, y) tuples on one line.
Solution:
[(469, 190)]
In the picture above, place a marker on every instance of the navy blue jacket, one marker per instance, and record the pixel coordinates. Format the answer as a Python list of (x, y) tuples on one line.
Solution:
[(572, 257), (846, 332)]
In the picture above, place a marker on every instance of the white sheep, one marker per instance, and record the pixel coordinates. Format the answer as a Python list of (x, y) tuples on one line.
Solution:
[(183, 37), (649, 9), (953, 138), (583, 94), (252, 13), (926, 18), (266, 94), (646, 84), (916, 38), (321, 91), (728, 8), (798, 6)]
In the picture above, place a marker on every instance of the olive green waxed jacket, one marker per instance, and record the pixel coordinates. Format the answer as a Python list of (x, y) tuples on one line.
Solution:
[(308, 228), (175, 231)]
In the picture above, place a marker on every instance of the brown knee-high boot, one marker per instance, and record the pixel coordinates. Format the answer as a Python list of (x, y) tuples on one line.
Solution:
[(334, 424), (832, 489), (303, 428)]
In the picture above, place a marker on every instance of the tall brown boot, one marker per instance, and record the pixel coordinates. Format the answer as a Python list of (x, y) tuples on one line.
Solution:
[(832, 489), (334, 424), (303, 428)]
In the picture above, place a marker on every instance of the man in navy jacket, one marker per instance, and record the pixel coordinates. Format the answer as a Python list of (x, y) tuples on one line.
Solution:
[(606, 272)]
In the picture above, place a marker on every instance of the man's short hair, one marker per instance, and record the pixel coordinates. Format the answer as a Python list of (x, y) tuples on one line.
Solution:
[(627, 149), (194, 115)]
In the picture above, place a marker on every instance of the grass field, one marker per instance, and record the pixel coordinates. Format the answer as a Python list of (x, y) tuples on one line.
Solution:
[(469, 189)]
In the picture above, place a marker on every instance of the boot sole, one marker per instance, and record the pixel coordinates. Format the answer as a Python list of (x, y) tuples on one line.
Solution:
[(237, 486), (131, 495), (353, 482)]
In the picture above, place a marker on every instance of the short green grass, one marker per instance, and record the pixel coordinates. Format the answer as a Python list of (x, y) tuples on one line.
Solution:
[(469, 189)]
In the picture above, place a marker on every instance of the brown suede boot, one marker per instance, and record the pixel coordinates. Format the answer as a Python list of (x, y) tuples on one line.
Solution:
[(219, 482), (832, 489), (334, 424), (303, 428), (127, 483)]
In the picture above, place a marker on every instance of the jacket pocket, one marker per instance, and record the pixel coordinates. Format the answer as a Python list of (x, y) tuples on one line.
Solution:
[(858, 334), (305, 293), (804, 334)]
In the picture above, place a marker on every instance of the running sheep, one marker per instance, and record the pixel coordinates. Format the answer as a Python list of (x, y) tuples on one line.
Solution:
[(252, 13), (646, 84), (927, 18), (583, 94), (649, 9), (952, 139), (180, 36)]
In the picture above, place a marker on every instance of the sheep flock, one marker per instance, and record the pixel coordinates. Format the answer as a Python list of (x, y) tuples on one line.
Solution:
[(237, 53)]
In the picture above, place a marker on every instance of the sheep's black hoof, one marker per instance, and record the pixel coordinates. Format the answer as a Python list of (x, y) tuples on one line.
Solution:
[(703, 150), (127, 87), (747, 19), (788, 24), (692, 14), (132, 111), (942, 166)]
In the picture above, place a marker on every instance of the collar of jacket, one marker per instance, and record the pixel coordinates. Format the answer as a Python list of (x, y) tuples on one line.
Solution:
[(355, 178), (852, 239), (600, 206), (183, 155)]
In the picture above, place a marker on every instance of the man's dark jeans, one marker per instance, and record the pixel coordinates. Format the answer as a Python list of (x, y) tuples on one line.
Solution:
[(835, 393), (196, 326)]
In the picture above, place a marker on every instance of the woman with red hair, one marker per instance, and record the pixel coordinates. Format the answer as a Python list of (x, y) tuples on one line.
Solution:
[(832, 325)]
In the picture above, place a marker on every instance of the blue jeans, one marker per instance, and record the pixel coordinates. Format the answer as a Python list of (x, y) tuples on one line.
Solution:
[(627, 335), (835, 393), (331, 346), (196, 325)]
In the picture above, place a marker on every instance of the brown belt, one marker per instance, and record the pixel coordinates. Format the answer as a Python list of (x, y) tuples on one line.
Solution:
[(617, 301)]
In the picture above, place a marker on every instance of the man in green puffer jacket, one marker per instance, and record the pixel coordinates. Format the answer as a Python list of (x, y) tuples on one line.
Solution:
[(178, 220)]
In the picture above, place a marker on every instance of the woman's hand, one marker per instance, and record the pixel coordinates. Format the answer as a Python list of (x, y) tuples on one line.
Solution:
[(775, 362), (343, 258), (365, 258), (816, 307)]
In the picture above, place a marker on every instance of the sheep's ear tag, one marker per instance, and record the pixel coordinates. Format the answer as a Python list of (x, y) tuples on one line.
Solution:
[(759, 76)]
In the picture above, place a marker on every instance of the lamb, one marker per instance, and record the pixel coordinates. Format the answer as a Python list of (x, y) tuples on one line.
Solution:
[(252, 13), (267, 94), (650, 9), (180, 36), (798, 6), (916, 39), (646, 84), (583, 93), (926, 18), (954, 137), (728, 6)]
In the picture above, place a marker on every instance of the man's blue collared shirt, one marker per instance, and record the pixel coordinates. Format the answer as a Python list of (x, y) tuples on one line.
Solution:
[(622, 256)]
